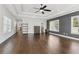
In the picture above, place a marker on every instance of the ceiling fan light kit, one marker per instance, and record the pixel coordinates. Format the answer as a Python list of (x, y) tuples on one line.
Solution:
[(42, 9)]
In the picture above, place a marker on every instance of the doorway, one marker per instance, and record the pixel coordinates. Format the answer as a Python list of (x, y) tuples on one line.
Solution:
[(36, 29)]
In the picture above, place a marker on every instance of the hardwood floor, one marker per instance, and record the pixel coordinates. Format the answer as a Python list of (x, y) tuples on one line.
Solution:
[(38, 44)]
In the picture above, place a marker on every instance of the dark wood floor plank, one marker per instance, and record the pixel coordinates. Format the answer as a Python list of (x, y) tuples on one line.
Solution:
[(39, 44)]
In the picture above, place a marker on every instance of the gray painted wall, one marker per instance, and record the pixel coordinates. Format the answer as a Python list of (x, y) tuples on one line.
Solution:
[(64, 24)]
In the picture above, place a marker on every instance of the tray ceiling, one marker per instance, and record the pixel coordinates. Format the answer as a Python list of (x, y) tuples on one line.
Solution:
[(27, 10)]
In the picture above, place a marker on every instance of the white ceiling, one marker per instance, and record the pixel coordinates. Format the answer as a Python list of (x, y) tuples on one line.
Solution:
[(27, 10)]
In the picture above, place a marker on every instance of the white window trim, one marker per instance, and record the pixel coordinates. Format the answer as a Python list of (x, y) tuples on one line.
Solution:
[(72, 24), (53, 30), (8, 24)]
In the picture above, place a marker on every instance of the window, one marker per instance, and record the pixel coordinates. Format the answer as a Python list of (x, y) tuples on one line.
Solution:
[(6, 24), (54, 25), (75, 25)]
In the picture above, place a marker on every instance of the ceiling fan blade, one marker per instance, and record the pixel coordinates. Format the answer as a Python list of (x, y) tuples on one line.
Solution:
[(42, 12), (47, 10), (44, 7), (36, 11)]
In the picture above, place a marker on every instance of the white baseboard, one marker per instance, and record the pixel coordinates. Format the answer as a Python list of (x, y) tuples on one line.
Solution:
[(65, 36), (4, 37)]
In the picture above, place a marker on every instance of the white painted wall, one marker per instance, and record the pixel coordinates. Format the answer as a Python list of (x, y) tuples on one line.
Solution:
[(31, 23), (34, 22), (5, 12)]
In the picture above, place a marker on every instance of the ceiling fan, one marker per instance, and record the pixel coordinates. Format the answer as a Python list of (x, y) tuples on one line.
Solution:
[(42, 9)]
